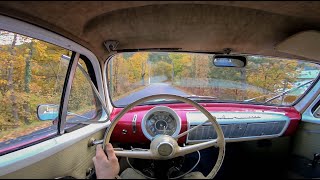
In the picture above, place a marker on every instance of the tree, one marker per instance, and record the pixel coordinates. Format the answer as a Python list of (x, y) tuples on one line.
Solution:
[(27, 80), (10, 79), (271, 74), (138, 67), (162, 68), (181, 63)]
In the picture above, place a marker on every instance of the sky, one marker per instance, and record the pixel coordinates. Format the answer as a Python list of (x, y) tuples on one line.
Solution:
[(7, 38)]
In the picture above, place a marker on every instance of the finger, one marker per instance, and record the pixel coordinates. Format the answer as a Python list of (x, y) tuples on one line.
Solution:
[(110, 151), (99, 151)]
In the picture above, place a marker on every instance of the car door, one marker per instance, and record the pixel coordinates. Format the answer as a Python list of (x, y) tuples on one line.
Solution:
[(36, 75), (305, 143)]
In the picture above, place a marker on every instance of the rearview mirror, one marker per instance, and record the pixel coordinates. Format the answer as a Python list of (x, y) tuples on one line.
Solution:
[(47, 112), (229, 61)]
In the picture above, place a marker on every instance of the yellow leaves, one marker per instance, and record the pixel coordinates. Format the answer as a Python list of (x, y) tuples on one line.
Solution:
[(162, 68), (138, 65), (272, 74), (3, 82), (40, 48), (4, 55), (35, 66), (34, 87)]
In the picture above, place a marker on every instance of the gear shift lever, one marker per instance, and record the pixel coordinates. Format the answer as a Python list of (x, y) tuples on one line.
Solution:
[(316, 160)]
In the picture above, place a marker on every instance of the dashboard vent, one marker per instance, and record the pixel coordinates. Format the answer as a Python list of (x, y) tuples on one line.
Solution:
[(207, 132), (260, 129), (238, 130)]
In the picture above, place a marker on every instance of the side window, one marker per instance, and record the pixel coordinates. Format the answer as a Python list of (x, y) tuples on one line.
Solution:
[(31, 73), (83, 104)]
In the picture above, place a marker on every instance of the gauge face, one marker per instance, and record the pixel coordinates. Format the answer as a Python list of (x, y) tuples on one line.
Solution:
[(161, 121)]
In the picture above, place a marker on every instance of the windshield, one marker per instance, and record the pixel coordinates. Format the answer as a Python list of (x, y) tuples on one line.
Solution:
[(266, 80)]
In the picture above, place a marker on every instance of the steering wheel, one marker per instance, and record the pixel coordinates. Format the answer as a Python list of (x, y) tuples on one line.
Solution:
[(165, 147)]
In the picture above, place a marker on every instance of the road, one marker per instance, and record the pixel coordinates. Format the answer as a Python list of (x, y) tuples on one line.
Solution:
[(152, 89)]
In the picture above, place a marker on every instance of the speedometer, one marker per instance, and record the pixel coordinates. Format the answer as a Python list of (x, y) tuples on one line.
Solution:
[(161, 120)]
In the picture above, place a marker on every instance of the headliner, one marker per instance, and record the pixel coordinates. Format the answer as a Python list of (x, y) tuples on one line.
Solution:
[(244, 26)]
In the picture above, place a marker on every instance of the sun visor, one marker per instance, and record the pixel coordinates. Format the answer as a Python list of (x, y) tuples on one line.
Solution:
[(304, 44)]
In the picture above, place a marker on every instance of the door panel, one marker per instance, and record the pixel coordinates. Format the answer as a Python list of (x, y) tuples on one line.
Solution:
[(73, 161), (307, 140), (305, 144)]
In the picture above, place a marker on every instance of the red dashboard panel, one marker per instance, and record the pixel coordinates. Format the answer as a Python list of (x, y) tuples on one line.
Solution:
[(125, 124)]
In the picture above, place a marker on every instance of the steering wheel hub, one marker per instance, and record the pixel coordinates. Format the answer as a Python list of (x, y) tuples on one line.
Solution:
[(164, 146), (165, 149)]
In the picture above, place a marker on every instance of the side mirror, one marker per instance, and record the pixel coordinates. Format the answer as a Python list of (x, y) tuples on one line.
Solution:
[(229, 61), (47, 112)]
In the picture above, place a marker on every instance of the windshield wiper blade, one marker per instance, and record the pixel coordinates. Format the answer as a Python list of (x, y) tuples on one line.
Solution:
[(287, 91), (200, 97), (189, 97), (248, 100), (159, 100)]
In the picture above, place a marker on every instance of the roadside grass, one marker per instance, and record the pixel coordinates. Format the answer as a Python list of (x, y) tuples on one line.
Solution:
[(128, 93), (182, 89)]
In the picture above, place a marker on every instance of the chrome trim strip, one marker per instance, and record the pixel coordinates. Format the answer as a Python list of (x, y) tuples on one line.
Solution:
[(134, 124), (309, 99), (242, 139), (312, 132), (66, 92), (308, 116), (105, 83)]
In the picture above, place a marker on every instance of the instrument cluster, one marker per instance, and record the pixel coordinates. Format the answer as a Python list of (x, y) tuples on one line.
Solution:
[(161, 120)]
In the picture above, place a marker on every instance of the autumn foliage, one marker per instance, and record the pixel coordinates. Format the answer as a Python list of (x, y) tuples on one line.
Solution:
[(30, 74)]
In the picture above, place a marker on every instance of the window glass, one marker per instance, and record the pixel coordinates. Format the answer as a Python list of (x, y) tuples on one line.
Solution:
[(31, 73), (82, 101), (264, 80)]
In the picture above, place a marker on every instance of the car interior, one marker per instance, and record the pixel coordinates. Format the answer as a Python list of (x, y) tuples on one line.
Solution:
[(181, 89)]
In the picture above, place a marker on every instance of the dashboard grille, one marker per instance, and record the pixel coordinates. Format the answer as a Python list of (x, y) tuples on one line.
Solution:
[(238, 130)]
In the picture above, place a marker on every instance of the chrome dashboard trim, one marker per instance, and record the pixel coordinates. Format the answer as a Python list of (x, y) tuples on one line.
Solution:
[(238, 118), (134, 124)]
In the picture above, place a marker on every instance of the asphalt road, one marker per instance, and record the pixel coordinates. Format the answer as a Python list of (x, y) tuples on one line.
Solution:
[(152, 89)]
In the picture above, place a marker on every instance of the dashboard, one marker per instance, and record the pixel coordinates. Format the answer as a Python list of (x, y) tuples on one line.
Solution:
[(239, 122)]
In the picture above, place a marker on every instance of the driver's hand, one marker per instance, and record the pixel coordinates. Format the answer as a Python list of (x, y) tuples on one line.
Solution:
[(107, 167)]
